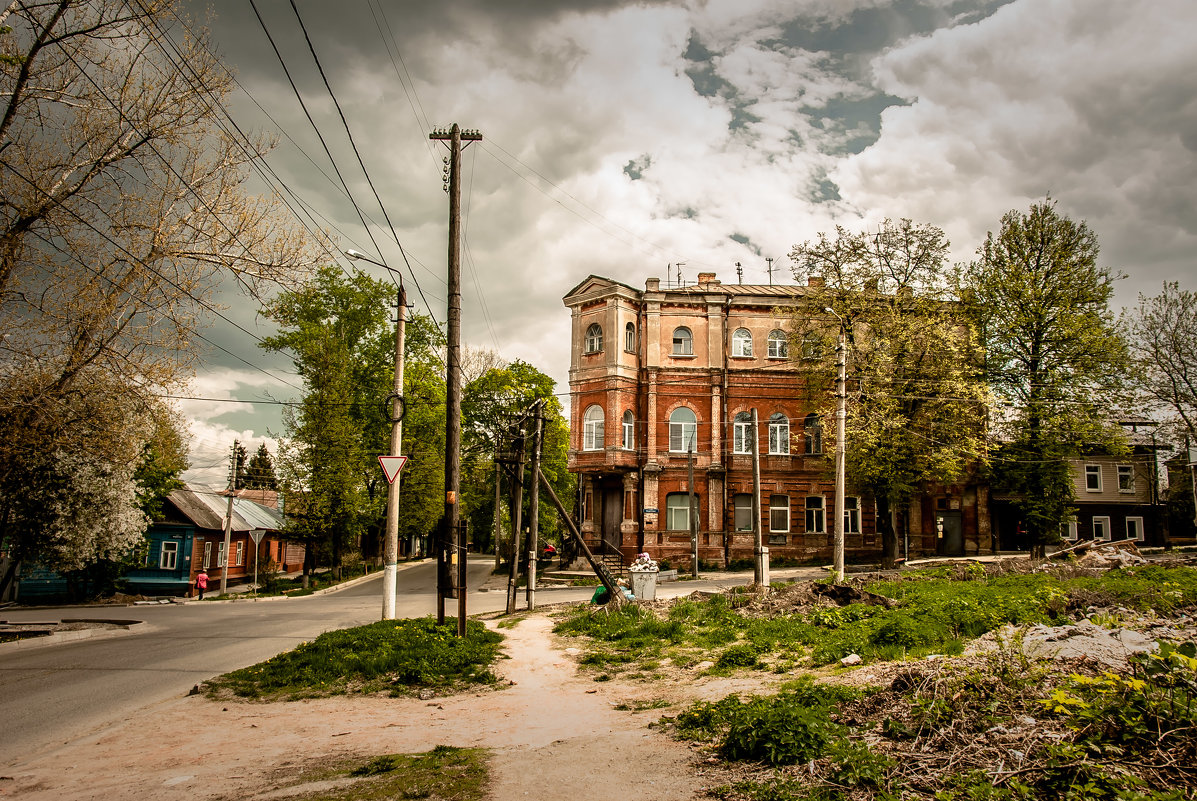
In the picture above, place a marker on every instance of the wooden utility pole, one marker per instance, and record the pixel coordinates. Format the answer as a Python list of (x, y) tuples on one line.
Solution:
[(517, 523), (454, 136), (390, 557), (498, 525), (534, 502), (228, 521)]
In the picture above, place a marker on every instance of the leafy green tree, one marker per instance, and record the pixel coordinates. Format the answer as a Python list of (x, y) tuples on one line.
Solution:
[(1054, 358), (260, 472), (163, 460), (240, 465), (916, 400)]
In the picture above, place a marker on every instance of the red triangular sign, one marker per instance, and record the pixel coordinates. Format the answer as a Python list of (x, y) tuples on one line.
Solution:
[(391, 465)]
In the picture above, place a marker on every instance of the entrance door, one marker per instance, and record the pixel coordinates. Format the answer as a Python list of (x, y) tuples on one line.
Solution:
[(951, 541), (612, 514)]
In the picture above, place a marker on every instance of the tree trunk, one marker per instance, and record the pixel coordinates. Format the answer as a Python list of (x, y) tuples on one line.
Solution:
[(889, 535), (8, 574)]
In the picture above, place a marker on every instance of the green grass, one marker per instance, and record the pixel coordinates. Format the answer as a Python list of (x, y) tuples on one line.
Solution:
[(445, 773), (398, 657)]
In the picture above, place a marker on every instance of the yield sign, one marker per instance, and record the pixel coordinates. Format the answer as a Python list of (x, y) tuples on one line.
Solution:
[(391, 465)]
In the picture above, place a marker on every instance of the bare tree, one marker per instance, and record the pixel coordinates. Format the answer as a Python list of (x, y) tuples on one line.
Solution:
[(1163, 334)]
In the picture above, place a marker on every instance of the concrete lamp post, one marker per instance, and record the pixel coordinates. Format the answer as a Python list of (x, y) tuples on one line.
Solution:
[(841, 392)]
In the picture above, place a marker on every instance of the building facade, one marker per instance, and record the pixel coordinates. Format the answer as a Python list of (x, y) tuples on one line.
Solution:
[(663, 384)]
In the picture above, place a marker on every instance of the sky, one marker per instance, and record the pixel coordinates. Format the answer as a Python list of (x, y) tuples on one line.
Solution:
[(624, 139)]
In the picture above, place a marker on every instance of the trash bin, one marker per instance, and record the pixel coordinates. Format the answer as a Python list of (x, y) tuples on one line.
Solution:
[(644, 584)]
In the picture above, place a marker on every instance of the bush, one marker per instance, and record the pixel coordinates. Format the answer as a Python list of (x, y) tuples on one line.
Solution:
[(777, 731), (740, 655)]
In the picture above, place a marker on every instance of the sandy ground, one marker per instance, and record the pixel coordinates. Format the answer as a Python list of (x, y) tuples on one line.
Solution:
[(555, 735)]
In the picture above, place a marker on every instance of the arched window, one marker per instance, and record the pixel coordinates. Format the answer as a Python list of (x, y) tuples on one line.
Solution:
[(779, 434), (812, 433), (779, 344), (592, 429), (742, 433), (629, 430), (742, 342), (594, 338), (683, 431), (683, 342), (629, 337)]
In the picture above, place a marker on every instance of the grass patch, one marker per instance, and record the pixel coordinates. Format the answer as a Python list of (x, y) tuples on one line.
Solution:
[(444, 773), (398, 657)]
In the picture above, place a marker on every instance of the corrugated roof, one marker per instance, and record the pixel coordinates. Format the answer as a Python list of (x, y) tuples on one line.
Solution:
[(207, 509)]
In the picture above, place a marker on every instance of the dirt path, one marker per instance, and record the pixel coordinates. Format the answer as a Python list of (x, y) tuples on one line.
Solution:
[(555, 735)]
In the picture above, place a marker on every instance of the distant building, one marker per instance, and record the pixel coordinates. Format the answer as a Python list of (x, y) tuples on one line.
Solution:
[(656, 374)]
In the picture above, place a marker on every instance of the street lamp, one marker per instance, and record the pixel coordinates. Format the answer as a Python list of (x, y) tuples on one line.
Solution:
[(841, 351), (359, 256)]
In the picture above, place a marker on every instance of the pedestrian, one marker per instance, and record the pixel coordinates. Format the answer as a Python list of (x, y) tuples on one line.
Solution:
[(201, 583)]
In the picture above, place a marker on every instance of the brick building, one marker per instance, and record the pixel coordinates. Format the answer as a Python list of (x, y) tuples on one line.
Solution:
[(660, 373)]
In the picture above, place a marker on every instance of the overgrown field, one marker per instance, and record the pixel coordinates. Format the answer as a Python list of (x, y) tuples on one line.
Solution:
[(397, 657), (987, 727)]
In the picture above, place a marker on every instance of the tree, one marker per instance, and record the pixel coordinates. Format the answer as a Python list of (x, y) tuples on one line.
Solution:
[(916, 400), (260, 472), (1163, 334), (240, 465), (1054, 357), (163, 460)]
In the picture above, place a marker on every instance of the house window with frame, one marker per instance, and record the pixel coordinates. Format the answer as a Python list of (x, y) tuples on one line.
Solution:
[(851, 514), (593, 423), (779, 344), (683, 431), (1126, 478), (742, 342), (220, 560), (742, 434), (677, 511), (207, 554), (683, 341), (742, 518), (779, 435), (629, 337), (1068, 530), (594, 338), (1092, 478), (239, 554), (816, 519), (629, 431), (1134, 528), (1101, 528), (168, 559), (779, 514), (812, 434)]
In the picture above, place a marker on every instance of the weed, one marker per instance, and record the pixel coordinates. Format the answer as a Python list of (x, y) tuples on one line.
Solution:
[(444, 772)]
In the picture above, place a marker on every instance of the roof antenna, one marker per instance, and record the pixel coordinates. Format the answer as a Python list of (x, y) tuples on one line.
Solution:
[(679, 273), (739, 273), (770, 260)]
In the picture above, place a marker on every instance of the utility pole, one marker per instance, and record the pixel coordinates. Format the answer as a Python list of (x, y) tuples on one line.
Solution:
[(498, 526), (841, 385), (534, 503), (760, 562), (390, 558), (517, 523), (228, 520), (769, 259), (454, 136), (693, 516)]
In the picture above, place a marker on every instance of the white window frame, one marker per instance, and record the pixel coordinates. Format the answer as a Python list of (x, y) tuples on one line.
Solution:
[(683, 434), (629, 431), (740, 509), (775, 507), (683, 341), (1138, 521), (677, 504), (593, 428), (1068, 530), (629, 337), (779, 435), (1092, 471), (742, 343), (594, 338), (812, 435), (239, 553), (779, 344), (742, 434), (168, 556), (220, 561), (851, 514), (816, 516), (1127, 471), (1105, 525), (207, 554)]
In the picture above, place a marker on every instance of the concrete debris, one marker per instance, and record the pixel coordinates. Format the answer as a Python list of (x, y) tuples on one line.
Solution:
[(851, 659)]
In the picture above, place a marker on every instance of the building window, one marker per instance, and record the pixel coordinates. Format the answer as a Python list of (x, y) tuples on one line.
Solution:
[(592, 429), (779, 514), (629, 431), (594, 338), (683, 431), (779, 344), (812, 434), (1126, 478), (812, 347), (742, 434), (629, 337), (220, 561), (239, 554), (743, 511), (779, 434), (851, 515), (1101, 528), (1093, 478), (169, 558), (742, 342), (677, 511), (1068, 531), (1134, 528), (816, 521), (683, 342), (207, 555)]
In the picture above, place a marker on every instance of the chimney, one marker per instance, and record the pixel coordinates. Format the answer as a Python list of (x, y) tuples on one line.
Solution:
[(814, 280), (652, 285), (706, 279)]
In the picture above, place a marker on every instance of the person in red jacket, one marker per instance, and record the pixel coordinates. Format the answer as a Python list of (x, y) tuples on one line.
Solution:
[(201, 583)]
